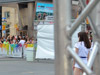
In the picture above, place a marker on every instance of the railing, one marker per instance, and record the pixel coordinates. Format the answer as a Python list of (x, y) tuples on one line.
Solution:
[(15, 50)]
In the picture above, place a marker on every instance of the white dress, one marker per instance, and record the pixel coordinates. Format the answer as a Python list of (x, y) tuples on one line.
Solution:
[(82, 52), (22, 42)]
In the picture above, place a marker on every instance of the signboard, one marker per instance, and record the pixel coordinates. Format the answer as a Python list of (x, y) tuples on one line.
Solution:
[(0, 27), (3, 27), (45, 32), (43, 10), (4, 18)]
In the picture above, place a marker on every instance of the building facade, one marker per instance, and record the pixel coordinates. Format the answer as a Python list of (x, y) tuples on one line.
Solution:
[(9, 20), (19, 15), (15, 22)]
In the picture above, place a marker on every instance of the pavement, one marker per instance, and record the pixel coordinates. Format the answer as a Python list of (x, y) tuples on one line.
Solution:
[(19, 66)]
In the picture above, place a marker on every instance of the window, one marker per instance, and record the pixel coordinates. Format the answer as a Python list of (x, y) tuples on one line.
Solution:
[(7, 30), (7, 14)]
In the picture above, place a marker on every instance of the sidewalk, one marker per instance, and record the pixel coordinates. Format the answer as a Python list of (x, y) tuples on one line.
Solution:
[(19, 66)]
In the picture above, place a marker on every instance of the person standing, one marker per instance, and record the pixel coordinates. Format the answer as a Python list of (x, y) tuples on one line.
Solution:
[(6, 41), (82, 48), (22, 41)]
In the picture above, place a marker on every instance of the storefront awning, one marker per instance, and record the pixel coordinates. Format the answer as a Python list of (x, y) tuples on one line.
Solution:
[(14, 1)]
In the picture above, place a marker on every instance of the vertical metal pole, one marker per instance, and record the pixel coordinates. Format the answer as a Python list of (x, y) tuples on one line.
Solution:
[(83, 26), (22, 52), (97, 23), (62, 17)]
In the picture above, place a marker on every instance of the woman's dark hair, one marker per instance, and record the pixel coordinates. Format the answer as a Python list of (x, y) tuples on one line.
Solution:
[(84, 37)]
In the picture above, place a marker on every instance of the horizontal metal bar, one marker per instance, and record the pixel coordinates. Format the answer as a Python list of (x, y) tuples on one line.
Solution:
[(79, 61), (90, 19), (83, 15), (92, 56)]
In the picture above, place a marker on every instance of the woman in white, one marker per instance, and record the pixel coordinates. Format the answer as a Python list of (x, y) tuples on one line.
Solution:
[(22, 41), (82, 48)]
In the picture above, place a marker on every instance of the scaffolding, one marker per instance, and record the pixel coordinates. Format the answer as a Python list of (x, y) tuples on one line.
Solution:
[(64, 31)]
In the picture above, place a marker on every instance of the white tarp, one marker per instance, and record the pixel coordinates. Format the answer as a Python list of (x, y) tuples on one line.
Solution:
[(45, 42)]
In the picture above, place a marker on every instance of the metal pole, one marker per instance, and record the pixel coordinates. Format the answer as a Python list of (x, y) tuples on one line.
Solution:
[(84, 13), (22, 52), (92, 56), (62, 17), (90, 19), (97, 23), (79, 61), (83, 26)]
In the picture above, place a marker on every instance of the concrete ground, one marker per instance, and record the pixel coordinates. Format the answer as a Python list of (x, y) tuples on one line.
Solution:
[(19, 66)]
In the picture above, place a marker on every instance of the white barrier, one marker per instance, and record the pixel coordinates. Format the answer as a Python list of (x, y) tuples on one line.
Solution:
[(17, 50), (29, 52), (10, 50)]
